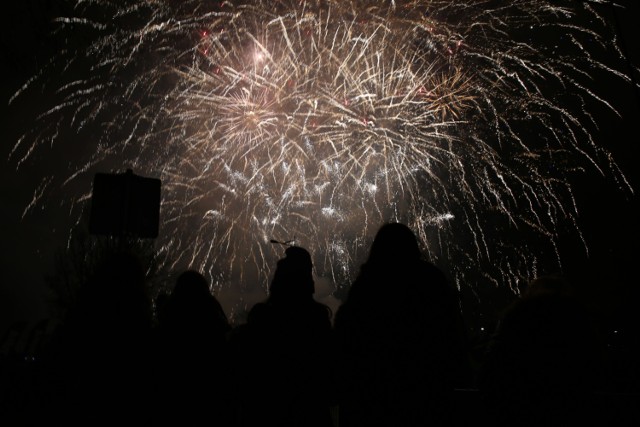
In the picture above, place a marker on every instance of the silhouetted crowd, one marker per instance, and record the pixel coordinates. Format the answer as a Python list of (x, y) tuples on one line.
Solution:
[(396, 353)]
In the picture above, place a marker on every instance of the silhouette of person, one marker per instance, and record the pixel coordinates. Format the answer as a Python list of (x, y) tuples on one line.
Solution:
[(282, 354), (400, 336), (100, 358), (544, 360), (193, 385), (192, 313)]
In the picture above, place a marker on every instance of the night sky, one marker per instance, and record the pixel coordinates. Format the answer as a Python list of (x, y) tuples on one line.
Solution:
[(606, 278)]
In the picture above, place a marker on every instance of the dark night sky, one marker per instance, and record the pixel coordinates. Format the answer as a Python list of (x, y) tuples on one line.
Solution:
[(608, 216)]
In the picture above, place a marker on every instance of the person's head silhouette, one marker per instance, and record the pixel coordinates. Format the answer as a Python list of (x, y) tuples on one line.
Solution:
[(394, 241), (293, 278), (191, 285)]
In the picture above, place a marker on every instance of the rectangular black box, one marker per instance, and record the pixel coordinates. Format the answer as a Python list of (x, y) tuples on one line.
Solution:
[(125, 205)]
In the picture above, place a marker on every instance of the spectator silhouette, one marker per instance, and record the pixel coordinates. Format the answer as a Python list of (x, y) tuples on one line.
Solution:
[(193, 385), (401, 340), (545, 360), (100, 370), (282, 354)]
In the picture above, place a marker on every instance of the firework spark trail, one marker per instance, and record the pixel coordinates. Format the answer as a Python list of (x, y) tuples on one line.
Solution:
[(319, 120)]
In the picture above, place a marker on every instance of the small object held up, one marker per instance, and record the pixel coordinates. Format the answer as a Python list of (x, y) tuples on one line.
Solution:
[(287, 243)]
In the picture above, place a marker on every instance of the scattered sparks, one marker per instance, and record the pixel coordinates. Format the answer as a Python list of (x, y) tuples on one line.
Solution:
[(320, 120)]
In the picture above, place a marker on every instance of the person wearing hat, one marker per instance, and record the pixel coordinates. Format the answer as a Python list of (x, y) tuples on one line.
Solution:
[(283, 353)]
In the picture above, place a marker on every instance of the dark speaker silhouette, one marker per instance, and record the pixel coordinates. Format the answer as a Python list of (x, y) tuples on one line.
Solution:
[(125, 205)]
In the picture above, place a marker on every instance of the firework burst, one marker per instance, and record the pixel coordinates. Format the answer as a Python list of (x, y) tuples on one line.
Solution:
[(320, 120)]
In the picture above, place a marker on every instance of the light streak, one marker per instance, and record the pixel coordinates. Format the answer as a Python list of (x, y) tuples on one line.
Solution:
[(320, 120)]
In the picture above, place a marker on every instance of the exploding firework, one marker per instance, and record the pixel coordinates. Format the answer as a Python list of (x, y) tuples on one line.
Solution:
[(320, 120)]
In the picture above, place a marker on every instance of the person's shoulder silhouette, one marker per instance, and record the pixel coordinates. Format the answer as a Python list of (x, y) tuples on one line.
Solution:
[(400, 335), (545, 358), (291, 295), (545, 341), (100, 363), (192, 309), (192, 354), (291, 332)]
